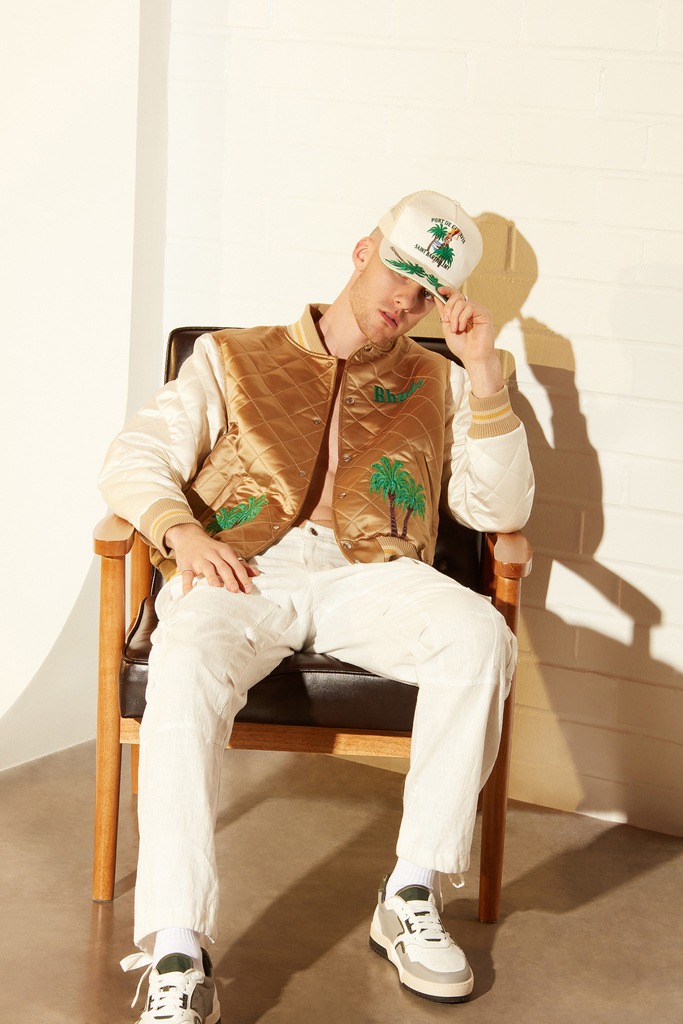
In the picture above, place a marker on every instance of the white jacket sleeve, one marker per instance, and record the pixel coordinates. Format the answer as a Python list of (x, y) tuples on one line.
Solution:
[(161, 449), (488, 481)]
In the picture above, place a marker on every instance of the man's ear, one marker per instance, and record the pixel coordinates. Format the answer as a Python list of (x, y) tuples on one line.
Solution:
[(362, 251)]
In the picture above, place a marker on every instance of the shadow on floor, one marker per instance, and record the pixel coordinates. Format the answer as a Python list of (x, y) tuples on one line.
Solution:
[(591, 924)]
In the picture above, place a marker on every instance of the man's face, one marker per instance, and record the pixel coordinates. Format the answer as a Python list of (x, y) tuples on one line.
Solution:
[(385, 304)]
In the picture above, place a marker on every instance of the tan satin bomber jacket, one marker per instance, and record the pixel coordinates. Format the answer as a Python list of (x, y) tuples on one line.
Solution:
[(252, 486)]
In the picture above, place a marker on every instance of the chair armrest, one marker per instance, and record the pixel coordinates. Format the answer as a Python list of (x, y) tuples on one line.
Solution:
[(511, 555), (113, 537)]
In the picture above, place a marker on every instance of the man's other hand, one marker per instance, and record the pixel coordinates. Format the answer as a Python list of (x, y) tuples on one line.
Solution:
[(197, 554)]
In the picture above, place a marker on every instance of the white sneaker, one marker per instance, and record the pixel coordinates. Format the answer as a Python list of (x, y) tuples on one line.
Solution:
[(178, 992), (407, 930)]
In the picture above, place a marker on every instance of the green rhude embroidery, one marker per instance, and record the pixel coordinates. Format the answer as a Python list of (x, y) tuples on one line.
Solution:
[(387, 395), (397, 486), (238, 515)]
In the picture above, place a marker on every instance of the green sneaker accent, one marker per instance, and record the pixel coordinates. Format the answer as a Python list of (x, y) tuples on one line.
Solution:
[(175, 962), (206, 964), (414, 892)]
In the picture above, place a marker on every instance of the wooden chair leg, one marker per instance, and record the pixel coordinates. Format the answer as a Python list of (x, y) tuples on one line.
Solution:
[(134, 767), (493, 818), (108, 768), (495, 794)]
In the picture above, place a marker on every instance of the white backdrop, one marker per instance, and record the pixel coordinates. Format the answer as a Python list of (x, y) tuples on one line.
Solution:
[(69, 75), (291, 127)]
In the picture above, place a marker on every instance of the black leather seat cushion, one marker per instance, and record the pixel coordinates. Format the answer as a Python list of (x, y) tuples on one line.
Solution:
[(305, 689), (314, 689)]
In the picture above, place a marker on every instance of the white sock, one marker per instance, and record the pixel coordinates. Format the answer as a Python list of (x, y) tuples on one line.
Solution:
[(406, 873), (178, 940)]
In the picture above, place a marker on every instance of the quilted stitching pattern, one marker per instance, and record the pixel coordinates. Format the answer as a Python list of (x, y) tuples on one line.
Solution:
[(503, 502), (410, 431), (279, 403), (279, 397)]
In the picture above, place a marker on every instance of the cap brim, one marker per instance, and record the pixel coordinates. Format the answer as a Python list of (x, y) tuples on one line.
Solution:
[(401, 263)]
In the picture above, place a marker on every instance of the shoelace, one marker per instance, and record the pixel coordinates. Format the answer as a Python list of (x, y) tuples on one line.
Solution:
[(425, 923), (169, 997), (456, 880), (133, 963)]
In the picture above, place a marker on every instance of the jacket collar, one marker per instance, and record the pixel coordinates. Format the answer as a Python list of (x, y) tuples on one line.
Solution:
[(304, 332)]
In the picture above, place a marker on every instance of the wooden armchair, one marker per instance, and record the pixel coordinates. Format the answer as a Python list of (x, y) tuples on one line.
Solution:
[(310, 703)]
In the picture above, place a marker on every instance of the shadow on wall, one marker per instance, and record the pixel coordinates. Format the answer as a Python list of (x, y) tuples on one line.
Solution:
[(597, 685)]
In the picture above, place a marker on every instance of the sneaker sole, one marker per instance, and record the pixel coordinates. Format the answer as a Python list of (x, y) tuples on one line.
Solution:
[(459, 993)]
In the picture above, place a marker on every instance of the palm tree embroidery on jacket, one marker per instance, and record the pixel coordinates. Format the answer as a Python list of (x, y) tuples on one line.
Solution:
[(238, 515), (397, 486), (413, 499)]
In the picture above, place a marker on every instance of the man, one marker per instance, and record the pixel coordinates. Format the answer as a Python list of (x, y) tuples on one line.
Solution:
[(289, 483)]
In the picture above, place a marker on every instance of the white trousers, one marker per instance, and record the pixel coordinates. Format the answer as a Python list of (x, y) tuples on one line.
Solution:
[(400, 618)]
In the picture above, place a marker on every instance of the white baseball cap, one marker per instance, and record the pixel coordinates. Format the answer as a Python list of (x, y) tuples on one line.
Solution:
[(429, 238)]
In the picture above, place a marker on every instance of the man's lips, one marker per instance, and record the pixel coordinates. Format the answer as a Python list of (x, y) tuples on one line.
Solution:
[(388, 318)]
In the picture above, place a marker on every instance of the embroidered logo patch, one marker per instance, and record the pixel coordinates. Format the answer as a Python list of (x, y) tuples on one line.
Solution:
[(397, 486), (238, 515), (438, 250), (387, 395)]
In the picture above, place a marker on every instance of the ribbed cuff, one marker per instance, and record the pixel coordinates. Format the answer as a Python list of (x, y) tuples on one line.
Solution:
[(397, 547), (160, 517), (492, 416)]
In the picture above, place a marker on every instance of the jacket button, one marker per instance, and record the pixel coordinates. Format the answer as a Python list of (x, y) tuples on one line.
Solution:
[(317, 421), (345, 544), (342, 494), (346, 458), (350, 401), (302, 472), (368, 348)]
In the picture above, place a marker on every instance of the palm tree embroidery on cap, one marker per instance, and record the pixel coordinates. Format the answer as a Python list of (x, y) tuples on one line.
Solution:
[(415, 270), (440, 248), (397, 486), (438, 233), (238, 515)]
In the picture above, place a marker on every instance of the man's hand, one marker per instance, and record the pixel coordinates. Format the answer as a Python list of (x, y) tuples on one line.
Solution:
[(468, 331), (197, 554)]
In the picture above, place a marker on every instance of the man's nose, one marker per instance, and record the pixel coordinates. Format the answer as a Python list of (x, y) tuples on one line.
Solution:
[(407, 295)]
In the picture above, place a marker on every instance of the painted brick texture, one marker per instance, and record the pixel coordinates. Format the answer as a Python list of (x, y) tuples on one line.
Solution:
[(292, 126)]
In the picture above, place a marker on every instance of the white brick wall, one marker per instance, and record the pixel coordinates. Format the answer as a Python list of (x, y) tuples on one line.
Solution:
[(294, 124)]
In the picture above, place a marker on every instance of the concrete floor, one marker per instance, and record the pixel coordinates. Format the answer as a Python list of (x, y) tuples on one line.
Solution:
[(591, 929)]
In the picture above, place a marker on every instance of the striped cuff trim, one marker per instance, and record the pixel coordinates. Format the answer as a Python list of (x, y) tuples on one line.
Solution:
[(160, 517), (492, 416)]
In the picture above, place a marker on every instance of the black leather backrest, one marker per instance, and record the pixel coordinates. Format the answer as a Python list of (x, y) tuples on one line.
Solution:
[(458, 549)]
